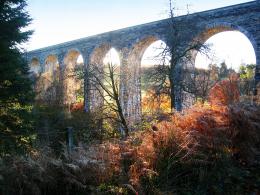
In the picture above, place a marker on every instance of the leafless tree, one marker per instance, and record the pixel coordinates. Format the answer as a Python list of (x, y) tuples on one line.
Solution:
[(178, 53), (106, 80), (198, 83)]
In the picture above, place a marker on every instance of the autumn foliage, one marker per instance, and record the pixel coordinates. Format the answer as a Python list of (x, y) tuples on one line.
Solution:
[(225, 92), (212, 139), (154, 103), (208, 149), (77, 106)]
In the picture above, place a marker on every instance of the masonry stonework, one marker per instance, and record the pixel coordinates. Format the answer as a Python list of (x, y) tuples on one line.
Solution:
[(131, 43)]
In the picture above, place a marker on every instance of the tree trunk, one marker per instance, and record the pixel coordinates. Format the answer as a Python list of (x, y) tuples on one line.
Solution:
[(122, 118), (175, 85), (172, 94)]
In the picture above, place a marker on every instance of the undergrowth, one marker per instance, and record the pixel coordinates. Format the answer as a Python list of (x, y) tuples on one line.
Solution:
[(210, 148)]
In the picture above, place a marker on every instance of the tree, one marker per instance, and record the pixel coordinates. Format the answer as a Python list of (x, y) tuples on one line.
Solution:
[(198, 83), (156, 92), (179, 54), (214, 72), (223, 70), (106, 80), (15, 85), (246, 75)]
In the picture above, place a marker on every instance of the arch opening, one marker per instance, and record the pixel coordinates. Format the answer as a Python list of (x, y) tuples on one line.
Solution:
[(103, 60), (231, 47), (51, 64), (231, 53), (99, 60), (35, 69), (154, 78), (73, 81), (47, 83), (35, 66), (112, 57), (111, 75)]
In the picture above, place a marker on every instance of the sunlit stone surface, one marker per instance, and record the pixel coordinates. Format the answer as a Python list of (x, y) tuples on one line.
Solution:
[(131, 44)]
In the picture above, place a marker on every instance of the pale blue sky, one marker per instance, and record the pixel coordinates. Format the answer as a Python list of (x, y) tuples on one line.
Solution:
[(57, 21), (232, 47)]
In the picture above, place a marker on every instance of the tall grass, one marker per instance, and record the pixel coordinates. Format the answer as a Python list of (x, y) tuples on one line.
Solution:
[(209, 149)]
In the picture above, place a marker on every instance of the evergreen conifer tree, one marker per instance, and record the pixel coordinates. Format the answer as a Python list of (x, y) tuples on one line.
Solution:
[(16, 92)]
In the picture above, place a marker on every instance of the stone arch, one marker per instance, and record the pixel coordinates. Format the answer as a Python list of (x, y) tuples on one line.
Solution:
[(135, 55), (97, 63), (72, 86), (155, 56), (35, 66), (140, 46), (137, 51), (51, 66), (134, 58), (70, 59), (99, 53), (35, 70), (219, 27), (209, 30), (47, 83), (215, 28)]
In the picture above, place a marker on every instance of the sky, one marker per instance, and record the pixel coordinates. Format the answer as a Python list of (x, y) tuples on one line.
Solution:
[(232, 47), (58, 21), (236, 50)]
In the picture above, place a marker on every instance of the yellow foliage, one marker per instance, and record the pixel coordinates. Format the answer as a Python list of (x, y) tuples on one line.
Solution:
[(153, 103)]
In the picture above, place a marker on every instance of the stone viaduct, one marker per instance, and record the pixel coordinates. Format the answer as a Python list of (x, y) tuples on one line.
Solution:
[(52, 62)]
